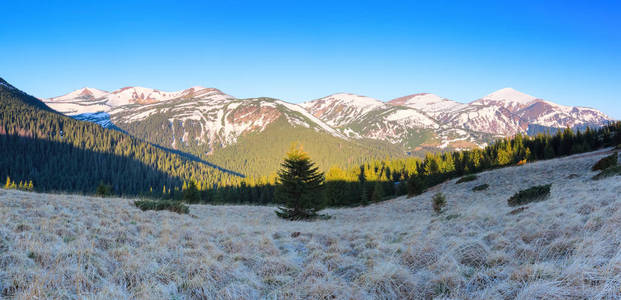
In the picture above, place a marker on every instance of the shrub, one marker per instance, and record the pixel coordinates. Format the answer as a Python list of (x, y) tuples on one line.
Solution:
[(606, 162), (521, 162), (533, 194), (609, 172), (174, 206), (467, 178), (103, 190), (438, 202), (479, 188)]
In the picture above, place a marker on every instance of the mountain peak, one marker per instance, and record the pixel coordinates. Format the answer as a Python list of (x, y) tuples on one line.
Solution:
[(83, 93), (431, 104), (196, 88), (89, 91), (354, 99), (410, 99), (510, 95)]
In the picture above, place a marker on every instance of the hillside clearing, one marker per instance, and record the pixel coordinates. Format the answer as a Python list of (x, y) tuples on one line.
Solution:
[(66, 246)]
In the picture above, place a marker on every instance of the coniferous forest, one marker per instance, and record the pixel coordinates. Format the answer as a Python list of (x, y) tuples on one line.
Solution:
[(382, 179), (60, 154)]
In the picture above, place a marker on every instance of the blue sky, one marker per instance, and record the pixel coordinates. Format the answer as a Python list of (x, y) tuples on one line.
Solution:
[(564, 51)]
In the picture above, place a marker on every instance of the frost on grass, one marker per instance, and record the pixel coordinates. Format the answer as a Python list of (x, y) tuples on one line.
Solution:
[(64, 246)]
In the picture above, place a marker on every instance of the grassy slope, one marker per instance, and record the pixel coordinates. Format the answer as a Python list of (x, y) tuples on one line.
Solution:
[(564, 247), (261, 153)]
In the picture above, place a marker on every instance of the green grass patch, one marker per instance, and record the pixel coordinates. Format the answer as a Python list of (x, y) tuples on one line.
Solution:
[(479, 188), (609, 172), (174, 206), (467, 178), (533, 194), (606, 162)]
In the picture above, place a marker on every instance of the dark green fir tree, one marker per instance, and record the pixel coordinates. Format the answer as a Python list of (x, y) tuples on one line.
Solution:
[(378, 192), (300, 187), (191, 193)]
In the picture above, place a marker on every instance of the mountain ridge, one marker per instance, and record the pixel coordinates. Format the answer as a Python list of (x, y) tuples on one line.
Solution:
[(208, 116)]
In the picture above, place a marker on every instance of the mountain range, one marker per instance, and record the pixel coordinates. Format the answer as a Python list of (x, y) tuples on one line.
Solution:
[(249, 137), (209, 118)]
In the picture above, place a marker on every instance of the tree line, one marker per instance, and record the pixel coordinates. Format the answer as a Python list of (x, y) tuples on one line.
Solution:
[(378, 180)]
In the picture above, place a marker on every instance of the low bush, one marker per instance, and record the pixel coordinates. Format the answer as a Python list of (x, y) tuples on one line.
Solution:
[(606, 162), (467, 178), (174, 206), (438, 202), (533, 194), (479, 188), (103, 190), (521, 162), (609, 172)]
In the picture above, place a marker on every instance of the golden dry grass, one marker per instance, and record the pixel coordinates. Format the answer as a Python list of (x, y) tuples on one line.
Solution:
[(65, 246)]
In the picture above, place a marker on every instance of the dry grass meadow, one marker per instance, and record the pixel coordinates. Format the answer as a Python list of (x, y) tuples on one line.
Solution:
[(567, 247)]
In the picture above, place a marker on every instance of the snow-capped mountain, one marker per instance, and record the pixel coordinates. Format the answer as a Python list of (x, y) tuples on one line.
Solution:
[(550, 114), (400, 122), (342, 109), (507, 112), (83, 93), (91, 100), (508, 98)]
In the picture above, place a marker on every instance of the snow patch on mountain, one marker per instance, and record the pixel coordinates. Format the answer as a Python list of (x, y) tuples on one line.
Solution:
[(411, 117), (306, 114), (431, 104), (101, 118)]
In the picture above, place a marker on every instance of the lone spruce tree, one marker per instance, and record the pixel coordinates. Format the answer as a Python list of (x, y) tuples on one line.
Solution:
[(300, 187)]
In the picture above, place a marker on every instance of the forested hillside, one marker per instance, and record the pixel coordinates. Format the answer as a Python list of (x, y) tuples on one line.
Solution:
[(260, 153), (59, 153), (381, 179)]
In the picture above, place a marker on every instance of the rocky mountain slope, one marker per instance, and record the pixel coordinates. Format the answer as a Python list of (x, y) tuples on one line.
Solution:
[(566, 247), (507, 112), (413, 126)]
